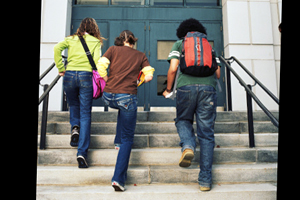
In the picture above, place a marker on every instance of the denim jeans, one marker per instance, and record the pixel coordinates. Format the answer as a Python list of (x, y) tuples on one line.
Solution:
[(202, 101), (127, 106), (78, 86)]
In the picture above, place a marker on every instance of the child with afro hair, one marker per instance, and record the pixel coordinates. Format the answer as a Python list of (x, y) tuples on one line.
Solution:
[(188, 26), (195, 95)]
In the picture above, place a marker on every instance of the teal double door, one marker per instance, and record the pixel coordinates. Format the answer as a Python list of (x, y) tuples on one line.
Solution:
[(156, 33)]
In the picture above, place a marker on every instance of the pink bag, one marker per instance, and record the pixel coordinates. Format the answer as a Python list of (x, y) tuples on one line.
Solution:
[(98, 85), (98, 81)]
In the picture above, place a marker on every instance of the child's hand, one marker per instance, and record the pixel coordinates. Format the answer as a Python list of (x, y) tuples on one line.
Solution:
[(62, 73), (148, 78), (105, 78), (166, 93)]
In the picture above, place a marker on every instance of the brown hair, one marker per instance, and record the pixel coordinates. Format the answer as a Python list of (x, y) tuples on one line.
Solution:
[(90, 26), (125, 36)]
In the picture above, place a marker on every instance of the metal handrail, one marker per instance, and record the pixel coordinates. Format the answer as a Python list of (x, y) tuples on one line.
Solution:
[(260, 104), (255, 79), (45, 97), (250, 95), (46, 92), (47, 71), (53, 82)]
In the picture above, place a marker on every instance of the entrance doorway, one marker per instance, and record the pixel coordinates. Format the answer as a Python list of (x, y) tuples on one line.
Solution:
[(155, 27)]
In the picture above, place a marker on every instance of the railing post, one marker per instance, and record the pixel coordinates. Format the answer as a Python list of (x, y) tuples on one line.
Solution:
[(228, 83), (250, 118), (44, 120), (64, 104)]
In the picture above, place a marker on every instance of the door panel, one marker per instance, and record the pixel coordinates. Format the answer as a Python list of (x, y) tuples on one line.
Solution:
[(162, 38)]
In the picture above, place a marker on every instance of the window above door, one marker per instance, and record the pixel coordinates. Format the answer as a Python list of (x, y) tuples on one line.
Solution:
[(91, 2), (184, 2), (110, 2), (179, 3)]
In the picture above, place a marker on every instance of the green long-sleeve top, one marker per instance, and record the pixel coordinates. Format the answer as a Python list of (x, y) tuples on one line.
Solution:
[(77, 59)]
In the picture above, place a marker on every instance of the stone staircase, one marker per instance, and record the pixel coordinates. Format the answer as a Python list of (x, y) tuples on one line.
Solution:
[(239, 172)]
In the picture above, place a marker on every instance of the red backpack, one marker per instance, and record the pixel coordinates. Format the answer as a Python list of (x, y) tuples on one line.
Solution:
[(196, 56)]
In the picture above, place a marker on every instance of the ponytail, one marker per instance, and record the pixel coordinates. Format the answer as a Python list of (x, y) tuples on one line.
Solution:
[(125, 36), (119, 41)]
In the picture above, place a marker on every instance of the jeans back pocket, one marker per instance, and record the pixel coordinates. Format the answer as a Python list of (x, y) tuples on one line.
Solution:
[(105, 100), (183, 97), (68, 81), (125, 103), (86, 80)]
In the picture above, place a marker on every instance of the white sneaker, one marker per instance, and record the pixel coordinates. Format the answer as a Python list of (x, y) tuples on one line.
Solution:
[(117, 146), (117, 186), (82, 162)]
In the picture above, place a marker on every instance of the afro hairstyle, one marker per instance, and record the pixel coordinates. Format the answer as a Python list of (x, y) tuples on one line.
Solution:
[(188, 26)]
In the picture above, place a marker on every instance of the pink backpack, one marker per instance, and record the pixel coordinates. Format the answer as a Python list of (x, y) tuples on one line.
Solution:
[(98, 81)]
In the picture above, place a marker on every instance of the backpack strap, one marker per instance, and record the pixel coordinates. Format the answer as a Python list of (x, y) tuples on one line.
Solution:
[(88, 53)]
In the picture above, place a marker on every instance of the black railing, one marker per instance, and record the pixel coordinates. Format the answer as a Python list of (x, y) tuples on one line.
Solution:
[(249, 94), (45, 98)]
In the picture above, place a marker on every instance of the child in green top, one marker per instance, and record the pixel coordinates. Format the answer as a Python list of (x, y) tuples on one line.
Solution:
[(77, 82)]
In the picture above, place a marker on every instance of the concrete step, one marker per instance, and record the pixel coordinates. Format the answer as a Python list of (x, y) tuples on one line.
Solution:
[(58, 116), (239, 172), (221, 173), (157, 156), (264, 191), (163, 127), (105, 141)]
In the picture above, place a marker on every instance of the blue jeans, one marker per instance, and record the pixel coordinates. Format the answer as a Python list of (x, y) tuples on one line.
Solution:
[(202, 101), (78, 86), (127, 106)]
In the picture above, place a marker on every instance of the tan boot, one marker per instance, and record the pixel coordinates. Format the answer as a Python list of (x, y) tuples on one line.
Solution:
[(186, 158), (202, 188)]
